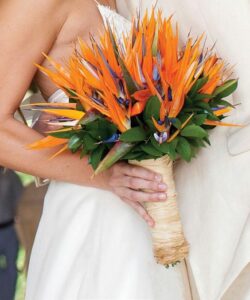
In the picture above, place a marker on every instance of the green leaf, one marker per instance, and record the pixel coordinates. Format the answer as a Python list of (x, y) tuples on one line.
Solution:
[(188, 102), (166, 148), (226, 89), (195, 142), (131, 85), (89, 143), (176, 123), (199, 119), (152, 109), (200, 97), (207, 141), (113, 41), (140, 123), (74, 143), (89, 117), (83, 153), (117, 152), (217, 102), (101, 129), (96, 156), (193, 151), (193, 131), (151, 126), (71, 92), (155, 41), (204, 106), (63, 134), (184, 149), (136, 134), (131, 156), (198, 85), (151, 150), (213, 117), (184, 116), (144, 156)]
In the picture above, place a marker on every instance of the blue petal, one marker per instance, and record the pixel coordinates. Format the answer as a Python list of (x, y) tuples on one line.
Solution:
[(218, 108), (156, 75), (97, 101), (161, 137), (170, 95), (201, 58), (120, 100), (114, 138)]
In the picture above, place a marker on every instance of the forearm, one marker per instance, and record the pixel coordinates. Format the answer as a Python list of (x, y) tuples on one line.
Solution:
[(14, 154)]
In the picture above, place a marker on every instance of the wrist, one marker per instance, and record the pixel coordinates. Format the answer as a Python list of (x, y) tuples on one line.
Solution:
[(102, 180)]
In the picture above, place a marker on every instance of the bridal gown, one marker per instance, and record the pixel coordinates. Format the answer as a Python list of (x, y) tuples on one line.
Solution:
[(92, 245)]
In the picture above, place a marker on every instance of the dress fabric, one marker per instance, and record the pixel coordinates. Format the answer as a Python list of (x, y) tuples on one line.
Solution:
[(92, 245)]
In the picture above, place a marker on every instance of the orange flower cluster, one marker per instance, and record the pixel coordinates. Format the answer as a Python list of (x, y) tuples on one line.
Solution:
[(116, 77)]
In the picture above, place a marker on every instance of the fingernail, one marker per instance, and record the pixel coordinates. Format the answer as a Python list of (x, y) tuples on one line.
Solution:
[(162, 186), (162, 196), (151, 223), (158, 178)]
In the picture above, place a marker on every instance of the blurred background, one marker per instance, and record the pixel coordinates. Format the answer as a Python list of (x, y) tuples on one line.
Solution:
[(21, 203)]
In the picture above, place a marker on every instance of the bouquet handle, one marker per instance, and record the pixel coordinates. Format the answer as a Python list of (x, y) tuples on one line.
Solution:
[(169, 243)]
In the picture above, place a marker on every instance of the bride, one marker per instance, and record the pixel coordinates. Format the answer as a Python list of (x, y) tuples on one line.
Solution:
[(91, 241)]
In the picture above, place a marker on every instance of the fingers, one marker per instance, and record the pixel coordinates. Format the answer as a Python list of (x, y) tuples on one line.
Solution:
[(138, 207), (136, 171), (139, 196), (138, 183)]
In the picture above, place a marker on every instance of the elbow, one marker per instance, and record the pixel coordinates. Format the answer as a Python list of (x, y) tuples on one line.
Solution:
[(5, 119)]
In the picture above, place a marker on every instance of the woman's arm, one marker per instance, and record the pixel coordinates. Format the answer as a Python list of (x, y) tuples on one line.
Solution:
[(26, 29)]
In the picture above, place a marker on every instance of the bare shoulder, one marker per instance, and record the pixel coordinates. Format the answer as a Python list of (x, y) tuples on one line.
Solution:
[(34, 5), (83, 17), (27, 28), (33, 11)]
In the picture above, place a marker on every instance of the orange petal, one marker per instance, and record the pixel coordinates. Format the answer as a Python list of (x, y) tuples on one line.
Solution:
[(142, 95), (57, 104), (64, 148), (63, 130), (72, 114), (222, 111), (152, 87), (137, 108), (218, 123), (160, 128), (47, 142)]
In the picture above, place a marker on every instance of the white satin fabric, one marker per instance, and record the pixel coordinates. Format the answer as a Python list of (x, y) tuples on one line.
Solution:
[(58, 96), (92, 245), (214, 190)]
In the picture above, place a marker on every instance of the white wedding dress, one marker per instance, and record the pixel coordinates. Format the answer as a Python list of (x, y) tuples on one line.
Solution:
[(92, 245)]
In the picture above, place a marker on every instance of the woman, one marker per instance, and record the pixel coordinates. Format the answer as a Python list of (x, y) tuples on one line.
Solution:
[(52, 29), (90, 244)]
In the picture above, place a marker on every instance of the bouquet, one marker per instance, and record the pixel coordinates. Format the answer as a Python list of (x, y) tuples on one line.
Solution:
[(144, 99)]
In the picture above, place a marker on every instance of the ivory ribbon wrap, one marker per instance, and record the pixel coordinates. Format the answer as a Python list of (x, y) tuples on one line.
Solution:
[(169, 243)]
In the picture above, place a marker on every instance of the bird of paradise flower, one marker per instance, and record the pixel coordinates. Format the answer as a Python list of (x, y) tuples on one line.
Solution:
[(116, 77)]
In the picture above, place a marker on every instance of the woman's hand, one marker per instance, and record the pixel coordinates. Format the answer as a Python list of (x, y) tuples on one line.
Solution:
[(130, 184)]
